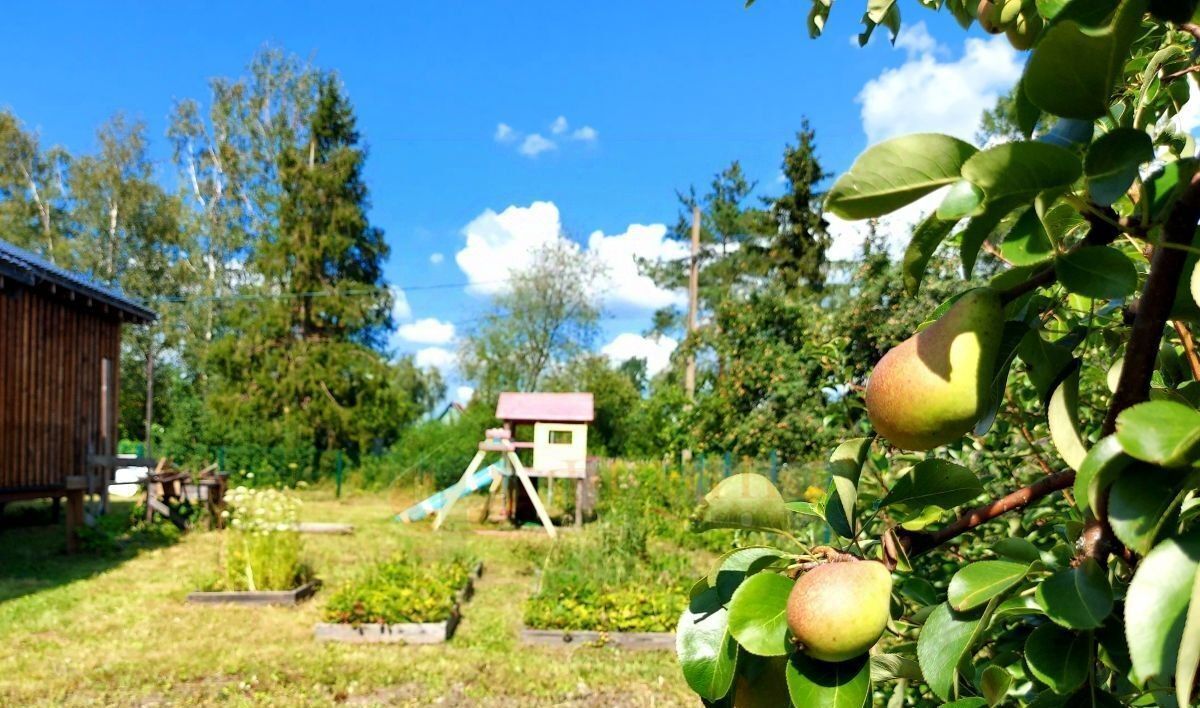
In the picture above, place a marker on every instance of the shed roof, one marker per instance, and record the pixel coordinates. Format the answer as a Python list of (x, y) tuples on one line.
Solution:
[(546, 407), (24, 267)]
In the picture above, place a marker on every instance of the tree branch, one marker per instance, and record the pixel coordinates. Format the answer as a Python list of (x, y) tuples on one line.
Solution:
[(1154, 306), (1189, 347), (916, 543)]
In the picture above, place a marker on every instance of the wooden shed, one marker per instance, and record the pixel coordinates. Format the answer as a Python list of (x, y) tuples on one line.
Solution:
[(60, 342)]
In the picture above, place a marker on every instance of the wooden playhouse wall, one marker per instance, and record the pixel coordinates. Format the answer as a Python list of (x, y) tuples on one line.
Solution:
[(51, 351)]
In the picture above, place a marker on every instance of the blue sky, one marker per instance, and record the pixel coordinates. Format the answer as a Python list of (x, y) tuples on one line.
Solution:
[(666, 93)]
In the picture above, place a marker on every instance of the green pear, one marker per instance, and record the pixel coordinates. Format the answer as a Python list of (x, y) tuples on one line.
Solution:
[(838, 610), (933, 387)]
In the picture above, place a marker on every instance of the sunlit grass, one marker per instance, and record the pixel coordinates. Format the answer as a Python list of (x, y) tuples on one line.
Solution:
[(114, 629)]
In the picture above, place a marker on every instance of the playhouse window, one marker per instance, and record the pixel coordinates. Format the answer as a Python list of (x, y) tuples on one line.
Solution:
[(560, 437)]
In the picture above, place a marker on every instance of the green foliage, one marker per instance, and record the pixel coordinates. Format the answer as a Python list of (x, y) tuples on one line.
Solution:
[(1033, 597), (399, 591)]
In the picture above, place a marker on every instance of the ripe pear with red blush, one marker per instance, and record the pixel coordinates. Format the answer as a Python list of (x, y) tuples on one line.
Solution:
[(838, 610), (933, 387)]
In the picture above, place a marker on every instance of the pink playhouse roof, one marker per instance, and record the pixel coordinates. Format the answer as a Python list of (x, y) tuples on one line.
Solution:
[(546, 407)]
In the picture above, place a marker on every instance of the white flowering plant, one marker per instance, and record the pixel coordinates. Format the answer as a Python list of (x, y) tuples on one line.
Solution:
[(262, 548)]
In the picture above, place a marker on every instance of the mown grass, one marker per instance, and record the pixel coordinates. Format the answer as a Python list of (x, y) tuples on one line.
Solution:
[(113, 628)]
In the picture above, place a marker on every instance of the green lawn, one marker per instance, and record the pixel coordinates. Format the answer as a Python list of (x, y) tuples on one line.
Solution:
[(114, 628)]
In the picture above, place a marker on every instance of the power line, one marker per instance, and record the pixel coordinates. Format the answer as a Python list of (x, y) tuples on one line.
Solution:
[(361, 292)]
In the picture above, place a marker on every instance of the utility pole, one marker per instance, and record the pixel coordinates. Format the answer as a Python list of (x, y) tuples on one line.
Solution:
[(689, 376), (689, 380)]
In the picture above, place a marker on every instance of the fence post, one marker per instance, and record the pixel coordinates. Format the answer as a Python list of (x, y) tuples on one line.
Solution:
[(728, 463), (338, 473), (775, 467)]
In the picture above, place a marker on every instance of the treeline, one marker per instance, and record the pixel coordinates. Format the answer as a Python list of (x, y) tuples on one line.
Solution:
[(263, 266), (784, 341)]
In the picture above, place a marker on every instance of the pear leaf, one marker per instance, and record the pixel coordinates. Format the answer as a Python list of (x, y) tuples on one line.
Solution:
[(962, 199), (1027, 242), (934, 483), (845, 467), (1095, 58), (823, 685), (897, 172), (1139, 505), (1112, 163), (758, 614), (1164, 433), (889, 667), (1156, 605), (994, 683), (1058, 658), (926, 238), (1077, 598), (707, 652), (1099, 469), (1021, 170), (975, 584), (945, 639), (1097, 272)]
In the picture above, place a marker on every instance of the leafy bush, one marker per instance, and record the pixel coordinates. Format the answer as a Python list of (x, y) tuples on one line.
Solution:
[(399, 591), (433, 449), (261, 548)]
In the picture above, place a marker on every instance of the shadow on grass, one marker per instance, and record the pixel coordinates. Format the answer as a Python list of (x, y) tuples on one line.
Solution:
[(33, 555)]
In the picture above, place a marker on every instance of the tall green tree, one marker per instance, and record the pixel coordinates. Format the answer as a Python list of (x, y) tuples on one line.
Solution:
[(546, 316), (34, 197)]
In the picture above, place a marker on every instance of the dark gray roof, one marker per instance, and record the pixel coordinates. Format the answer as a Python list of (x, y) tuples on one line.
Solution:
[(24, 267)]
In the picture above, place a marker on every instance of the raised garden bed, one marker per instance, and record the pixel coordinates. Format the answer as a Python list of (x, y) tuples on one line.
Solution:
[(566, 638), (255, 597), (401, 602)]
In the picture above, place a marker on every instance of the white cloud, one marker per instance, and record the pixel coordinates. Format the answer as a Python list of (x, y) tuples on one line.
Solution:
[(436, 258), (535, 144), (926, 94), (497, 244), (504, 133), (463, 394), (655, 350), (435, 358), (401, 310), (916, 40), (427, 330), (586, 134), (626, 286)]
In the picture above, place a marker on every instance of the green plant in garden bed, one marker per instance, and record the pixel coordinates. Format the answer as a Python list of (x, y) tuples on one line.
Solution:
[(261, 548), (614, 577), (401, 591)]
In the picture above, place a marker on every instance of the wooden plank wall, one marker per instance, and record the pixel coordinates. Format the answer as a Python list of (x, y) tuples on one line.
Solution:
[(51, 350)]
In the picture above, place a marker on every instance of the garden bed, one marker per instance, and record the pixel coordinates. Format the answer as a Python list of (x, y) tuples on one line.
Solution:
[(255, 597), (401, 602)]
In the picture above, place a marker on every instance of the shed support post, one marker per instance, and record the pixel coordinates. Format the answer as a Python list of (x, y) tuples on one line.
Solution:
[(74, 518)]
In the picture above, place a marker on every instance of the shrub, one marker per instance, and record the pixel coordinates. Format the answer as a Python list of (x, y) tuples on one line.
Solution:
[(262, 548), (399, 591)]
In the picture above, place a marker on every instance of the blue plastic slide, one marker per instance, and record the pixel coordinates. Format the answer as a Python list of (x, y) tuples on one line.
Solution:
[(438, 501)]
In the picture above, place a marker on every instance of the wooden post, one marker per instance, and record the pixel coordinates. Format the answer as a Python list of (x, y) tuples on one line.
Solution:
[(106, 427), (74, 518), (519, 471), (149, 399)]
